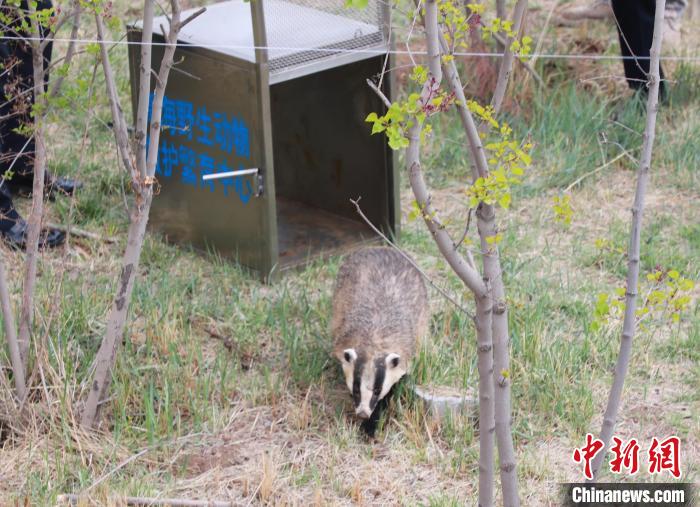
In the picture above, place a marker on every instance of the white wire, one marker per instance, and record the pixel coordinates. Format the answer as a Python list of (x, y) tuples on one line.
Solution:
[(373, 51)]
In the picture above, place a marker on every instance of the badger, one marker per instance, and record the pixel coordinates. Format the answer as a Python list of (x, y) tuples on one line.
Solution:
[(380, 311)]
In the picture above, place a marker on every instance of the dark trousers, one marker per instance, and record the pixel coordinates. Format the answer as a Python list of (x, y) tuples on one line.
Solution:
[(17, 99), (635, 27)]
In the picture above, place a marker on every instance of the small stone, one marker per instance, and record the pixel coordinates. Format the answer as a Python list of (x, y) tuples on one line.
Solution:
[(443, 399)]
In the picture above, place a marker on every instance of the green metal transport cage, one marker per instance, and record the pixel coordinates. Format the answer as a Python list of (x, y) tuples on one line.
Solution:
[(274, 93)]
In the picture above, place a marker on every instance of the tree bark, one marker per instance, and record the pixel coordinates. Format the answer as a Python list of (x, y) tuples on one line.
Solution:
[(37, 211), (633, 254), (11, 336), (142, 170), (507, 63), (144, 87), (460, 266), (107, 354), (493, 274)]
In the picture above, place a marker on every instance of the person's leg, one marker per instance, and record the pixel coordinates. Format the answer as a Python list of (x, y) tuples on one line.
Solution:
[(635, 25), (17, 81), (15, 148)]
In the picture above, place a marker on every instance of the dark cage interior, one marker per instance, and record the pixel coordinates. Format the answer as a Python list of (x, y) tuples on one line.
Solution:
[(324, 156)]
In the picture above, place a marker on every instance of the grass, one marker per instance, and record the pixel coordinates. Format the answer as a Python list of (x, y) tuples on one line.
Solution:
[(227, 385)]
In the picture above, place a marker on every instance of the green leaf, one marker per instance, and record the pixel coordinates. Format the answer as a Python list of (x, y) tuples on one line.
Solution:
[(378, 127), (504, 201)]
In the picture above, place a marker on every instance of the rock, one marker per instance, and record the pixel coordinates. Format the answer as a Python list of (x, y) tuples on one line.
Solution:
[(444, 399)]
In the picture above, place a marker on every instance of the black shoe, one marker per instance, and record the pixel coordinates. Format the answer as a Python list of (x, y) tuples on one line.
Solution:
[(16, 236), (23, 186)]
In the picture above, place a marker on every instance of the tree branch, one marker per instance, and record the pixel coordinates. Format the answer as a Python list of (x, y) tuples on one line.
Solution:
[(507, 60)]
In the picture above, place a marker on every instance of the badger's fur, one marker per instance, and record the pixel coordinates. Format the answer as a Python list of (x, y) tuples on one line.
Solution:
[(380, 311)]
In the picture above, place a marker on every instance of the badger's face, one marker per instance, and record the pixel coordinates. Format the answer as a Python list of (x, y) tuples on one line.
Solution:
[(370, 379)]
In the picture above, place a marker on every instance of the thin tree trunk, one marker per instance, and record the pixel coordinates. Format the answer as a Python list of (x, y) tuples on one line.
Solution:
[(633, 254), (462, 268), (482, 319), (37, 212), (106, 356), (486, 223), (142, 170), (121, 134), (11, 336), (493, 274)]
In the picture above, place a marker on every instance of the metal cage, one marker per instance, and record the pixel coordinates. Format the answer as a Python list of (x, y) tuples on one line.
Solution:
[(273, 91)]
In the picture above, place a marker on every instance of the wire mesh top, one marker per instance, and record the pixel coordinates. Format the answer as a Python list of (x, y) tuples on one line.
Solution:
[(297, 31), (324, 24)]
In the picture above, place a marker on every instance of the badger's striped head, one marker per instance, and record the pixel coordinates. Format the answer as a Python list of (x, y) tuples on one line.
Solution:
[(370, 378)]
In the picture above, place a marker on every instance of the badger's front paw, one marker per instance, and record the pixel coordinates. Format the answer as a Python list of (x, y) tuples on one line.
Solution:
[(369, 427)]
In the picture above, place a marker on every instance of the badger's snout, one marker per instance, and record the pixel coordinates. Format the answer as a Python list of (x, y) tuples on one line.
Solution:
[(362, 412)]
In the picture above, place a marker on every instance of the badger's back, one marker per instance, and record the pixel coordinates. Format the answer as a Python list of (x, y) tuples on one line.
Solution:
[(379, 303)]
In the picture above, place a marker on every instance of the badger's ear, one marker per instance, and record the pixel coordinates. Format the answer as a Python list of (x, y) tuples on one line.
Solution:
[(392, 360), (349, 355)]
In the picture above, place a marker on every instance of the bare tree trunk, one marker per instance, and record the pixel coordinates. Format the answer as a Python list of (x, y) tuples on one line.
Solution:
[(466, 271), (468, 274), (630, 319), (37, 212), (107, 354), (486, 223), (493, 274), (142, 170), (11, 336)]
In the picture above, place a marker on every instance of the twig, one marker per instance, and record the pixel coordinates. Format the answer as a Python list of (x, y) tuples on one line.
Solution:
[(116, 469), (540, 40), (525, 64), (597, 169), (445, 294), (381, 95), (466, 229), (75, 231)]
